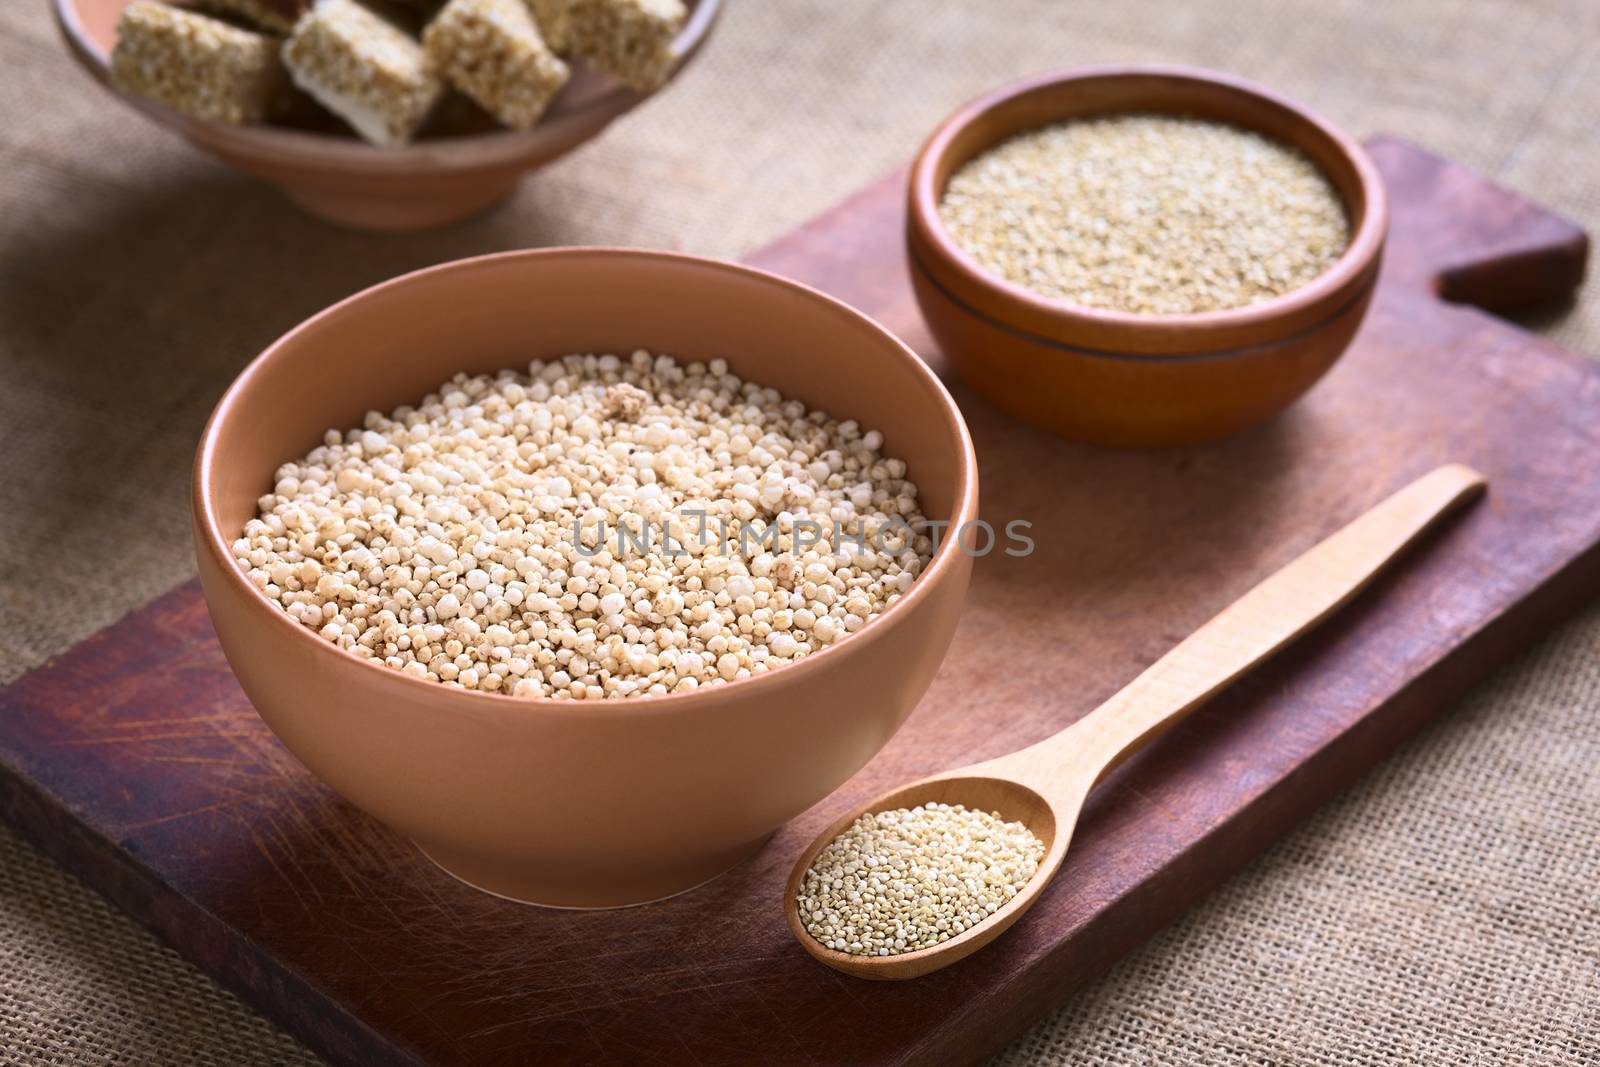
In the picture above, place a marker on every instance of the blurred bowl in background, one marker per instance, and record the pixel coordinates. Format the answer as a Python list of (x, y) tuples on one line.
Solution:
[(441, 178)]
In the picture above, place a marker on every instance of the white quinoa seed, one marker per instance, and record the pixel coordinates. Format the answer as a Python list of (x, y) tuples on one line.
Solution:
[(438, 539), (1145, 213), (907, 879)]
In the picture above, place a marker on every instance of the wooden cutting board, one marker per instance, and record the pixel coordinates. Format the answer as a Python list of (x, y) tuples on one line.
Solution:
[(136, 761)]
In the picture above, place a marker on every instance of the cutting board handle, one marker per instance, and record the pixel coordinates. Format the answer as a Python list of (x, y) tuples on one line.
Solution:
[(1471, 241)]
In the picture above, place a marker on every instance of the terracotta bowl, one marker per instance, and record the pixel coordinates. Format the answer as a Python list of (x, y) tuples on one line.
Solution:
[(1128, 379), (464, 164), (592, 803)]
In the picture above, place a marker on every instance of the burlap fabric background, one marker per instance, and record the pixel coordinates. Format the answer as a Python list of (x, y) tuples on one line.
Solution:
[(1444, 911)]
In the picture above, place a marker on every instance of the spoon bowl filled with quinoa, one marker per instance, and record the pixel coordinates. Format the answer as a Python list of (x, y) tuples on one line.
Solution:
[(585, 568)]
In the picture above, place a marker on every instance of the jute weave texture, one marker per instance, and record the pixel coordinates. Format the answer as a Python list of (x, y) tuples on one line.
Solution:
[(1445, 911)]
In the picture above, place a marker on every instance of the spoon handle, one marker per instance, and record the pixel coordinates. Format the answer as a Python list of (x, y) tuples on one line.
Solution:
[(1259, 623)]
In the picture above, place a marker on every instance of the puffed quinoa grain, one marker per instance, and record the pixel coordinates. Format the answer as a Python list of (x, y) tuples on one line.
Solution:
[(440, 539), (907, 879), (1147, 213)]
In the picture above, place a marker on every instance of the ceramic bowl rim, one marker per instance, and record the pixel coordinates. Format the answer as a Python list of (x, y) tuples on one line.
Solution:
[(1331, 286), (217, 544)]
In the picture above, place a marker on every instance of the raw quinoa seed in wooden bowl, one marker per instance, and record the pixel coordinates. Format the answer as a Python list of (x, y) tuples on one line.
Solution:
[(1127, 378)]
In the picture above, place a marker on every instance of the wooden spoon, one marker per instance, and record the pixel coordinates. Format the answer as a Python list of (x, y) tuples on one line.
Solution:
[(1045, 785)]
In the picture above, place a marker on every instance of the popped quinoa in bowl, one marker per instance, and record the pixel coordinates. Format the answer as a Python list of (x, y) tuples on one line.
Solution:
[(595, 527), (562, 801)]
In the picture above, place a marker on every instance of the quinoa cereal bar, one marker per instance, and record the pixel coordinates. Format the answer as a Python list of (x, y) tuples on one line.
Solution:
[(272, 16), (492, 51), (629, 39), (597, 527), (200, 66), (364, 69), (555, 22)]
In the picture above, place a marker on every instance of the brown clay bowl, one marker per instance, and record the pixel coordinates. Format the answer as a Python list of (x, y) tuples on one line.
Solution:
[(462, 165), (579, 803), (1128, 379)]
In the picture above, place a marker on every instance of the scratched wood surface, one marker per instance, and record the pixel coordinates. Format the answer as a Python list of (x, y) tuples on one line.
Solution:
[(137, 762)]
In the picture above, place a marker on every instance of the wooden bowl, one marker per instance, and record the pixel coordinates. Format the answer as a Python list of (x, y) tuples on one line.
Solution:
[(1127, 379), (579, 803), (453, 172)]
